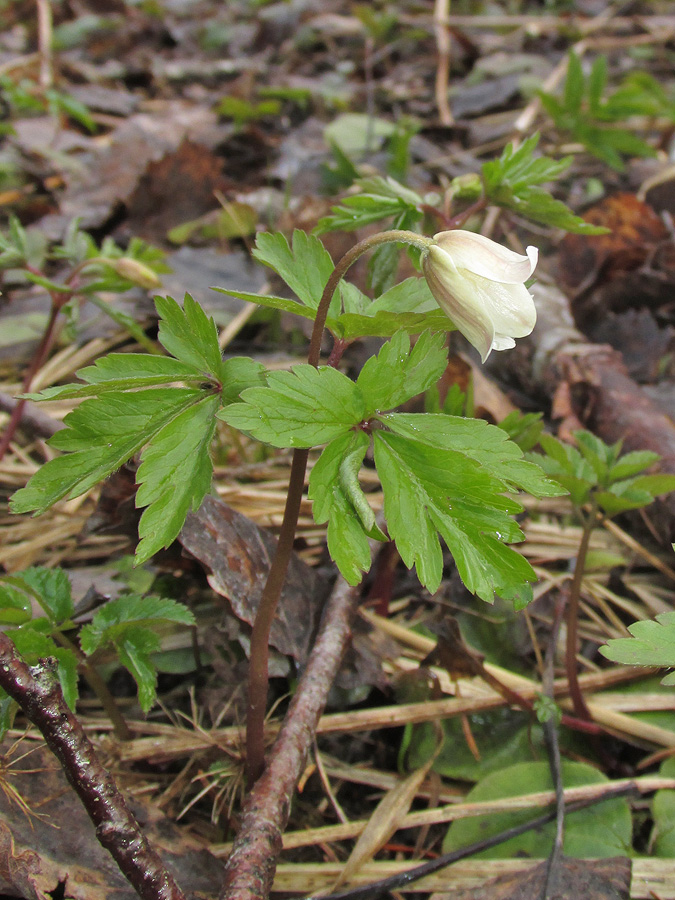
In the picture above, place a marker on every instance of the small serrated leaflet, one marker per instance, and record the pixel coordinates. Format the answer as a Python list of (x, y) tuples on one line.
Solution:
[(174, 475), (305, 407)]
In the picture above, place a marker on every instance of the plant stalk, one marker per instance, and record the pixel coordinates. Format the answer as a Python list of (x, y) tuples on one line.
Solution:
[(259, 660), (576, 695)]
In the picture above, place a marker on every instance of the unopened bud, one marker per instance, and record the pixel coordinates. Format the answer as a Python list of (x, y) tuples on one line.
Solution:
[(136, 271)]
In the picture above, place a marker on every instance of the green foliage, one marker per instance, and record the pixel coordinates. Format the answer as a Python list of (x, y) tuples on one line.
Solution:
[(300, 408), (128, 625), (652, 644), (597, 472), (589, 117), (164, 407), (242, 111), (514, 182), (379, 199), (306, 265), (25, 97), (600, 831), (662, 841)]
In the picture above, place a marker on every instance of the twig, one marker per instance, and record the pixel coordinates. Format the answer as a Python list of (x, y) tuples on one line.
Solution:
[(45, 33), (252, 863), (36, 689), (441, 11)]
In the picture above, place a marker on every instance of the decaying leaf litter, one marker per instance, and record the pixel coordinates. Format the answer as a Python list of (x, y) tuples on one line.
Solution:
[(209, 124)]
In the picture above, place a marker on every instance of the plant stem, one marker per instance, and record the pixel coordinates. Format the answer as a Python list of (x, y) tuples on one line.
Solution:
[(37, 361), (258, 667), (99, 687), (576, 695)]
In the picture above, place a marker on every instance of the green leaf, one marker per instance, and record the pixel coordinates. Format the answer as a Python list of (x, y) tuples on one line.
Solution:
[(631, 464), (486, 444), (428, 490), (174, 475), (135, 654), (339, 500), (110, 622), (600, 831), (121, 372), (652, 643), (190, 335), (101, 435), (662, 840), (655, 484), (398, 373), (512, 182), (574, 85), (305, 407), (15, 602), (52, 587), (305, 268), (239, 373)]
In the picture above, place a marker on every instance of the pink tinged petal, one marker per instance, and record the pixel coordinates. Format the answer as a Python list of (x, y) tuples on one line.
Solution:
[(481, 256)]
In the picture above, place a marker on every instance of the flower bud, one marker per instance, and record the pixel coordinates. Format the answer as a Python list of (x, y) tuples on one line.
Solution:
[(137, 272), (480, 285)]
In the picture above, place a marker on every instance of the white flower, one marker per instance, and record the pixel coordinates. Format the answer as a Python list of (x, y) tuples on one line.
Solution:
[(480, 285)]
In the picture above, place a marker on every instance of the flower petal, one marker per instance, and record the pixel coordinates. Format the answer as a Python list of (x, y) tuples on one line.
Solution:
[(510, 307), (481, 256), (458, 299)]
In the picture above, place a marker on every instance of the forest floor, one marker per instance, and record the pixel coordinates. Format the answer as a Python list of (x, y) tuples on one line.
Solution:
[(194, 126)]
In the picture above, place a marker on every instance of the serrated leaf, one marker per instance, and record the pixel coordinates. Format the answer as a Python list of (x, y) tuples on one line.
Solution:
[(134, 652), (429, 490), (174, 475), (53, 589), (398, 373), (240, 373), (15, 602), (360, 210), (306, 267), (513, 180), (190, 335), (339, 500), (282, 303), (632, 464), (111, 621), (486, 444), (305, 407), (101, 435), (652, 643), (122, 372)]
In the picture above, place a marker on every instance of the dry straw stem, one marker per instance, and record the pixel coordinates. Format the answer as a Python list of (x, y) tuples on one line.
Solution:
[(651, 878), (167, 743), (454, 811)]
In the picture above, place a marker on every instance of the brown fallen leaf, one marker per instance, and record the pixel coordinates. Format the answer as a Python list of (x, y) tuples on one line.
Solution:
[(575, 879), (238, 553), (55, 842)]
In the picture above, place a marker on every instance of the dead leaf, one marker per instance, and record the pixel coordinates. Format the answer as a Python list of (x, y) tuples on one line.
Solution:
[(635, 231), (238, 553), (57, 843), (175, 189), (384, 821), (576, 879)]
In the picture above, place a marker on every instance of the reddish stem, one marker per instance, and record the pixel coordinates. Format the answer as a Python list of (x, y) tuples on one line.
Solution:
[(38, 360), (258, 667), (578, 702)]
